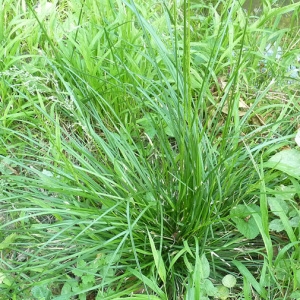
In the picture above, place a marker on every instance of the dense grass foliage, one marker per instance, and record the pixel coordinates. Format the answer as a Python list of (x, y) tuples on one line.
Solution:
[(138, 150)]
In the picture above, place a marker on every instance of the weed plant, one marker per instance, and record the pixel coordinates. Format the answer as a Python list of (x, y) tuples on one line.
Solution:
[(134, 137)]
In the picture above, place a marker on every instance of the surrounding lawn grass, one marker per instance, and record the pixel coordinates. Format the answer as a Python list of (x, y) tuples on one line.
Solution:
[(147, 150)]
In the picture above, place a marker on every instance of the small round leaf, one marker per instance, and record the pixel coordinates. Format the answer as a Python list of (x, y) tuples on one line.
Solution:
[(223, 292), (229, 281)]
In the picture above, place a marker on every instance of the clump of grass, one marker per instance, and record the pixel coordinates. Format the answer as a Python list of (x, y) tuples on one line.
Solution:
[(125, 148)]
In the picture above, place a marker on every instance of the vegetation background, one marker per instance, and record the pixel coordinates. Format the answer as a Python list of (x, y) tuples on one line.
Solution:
[(147, 150)]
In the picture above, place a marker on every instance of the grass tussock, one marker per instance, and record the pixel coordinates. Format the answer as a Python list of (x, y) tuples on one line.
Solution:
[(139, 150)]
